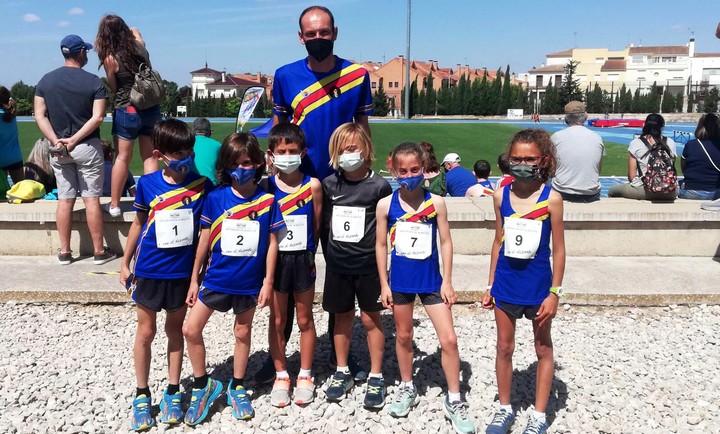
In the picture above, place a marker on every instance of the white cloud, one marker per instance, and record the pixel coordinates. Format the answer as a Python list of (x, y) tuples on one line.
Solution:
[(76, 11), (31, 18), (63, 23)]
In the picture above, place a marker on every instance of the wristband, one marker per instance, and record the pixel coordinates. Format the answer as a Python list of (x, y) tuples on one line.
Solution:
[(488, 288), (557, 290)]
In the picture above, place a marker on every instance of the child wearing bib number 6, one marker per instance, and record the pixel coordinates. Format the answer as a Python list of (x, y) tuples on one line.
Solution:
[(161, 242), (412, 217), (529, 214), (239, 225)]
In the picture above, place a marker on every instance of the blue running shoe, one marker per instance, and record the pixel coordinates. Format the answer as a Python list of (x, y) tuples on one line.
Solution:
[(457, 413), (374, 393), (240, 403), (339, 385), (501, 423), (536, 426), (141, 418), (201, 400), (171, 408)]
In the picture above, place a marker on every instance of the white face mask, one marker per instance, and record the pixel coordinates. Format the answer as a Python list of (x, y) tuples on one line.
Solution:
[(287, 163), (350, 162)]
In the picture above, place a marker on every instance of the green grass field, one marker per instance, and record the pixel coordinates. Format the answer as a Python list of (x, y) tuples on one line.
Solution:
[(471, 141)]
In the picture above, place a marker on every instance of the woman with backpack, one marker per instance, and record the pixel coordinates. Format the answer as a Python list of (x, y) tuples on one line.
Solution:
[(122, 52), (701, 161), (651, 165)]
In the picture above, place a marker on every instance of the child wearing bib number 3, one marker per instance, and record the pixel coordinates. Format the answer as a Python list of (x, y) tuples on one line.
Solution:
[(522, 282)]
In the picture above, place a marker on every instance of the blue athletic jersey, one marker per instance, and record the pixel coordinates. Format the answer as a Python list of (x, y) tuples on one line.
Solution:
[(154, 194), (319, 103), (415, 276), (298, 203), (241, 275), (525, 281)]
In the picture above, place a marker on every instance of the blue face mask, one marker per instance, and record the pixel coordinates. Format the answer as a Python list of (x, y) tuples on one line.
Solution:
[(411, 182), (241, 175), (181, 166)]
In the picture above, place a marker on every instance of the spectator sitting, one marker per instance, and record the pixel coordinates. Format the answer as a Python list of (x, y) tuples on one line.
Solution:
[(10, 155), (459, 179), (435, 181), (503, 164), (38, 167), (700, 161), (109, 156), (206, 150), (483, 187)]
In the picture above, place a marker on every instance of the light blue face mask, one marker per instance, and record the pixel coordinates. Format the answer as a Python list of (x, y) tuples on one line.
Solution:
[(411, 182), (241, 175), (180, 166), (350, 162)]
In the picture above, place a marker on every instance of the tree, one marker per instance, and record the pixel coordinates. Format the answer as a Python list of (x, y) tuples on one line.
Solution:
[(679, 101), (691, 98), (484, 104), (570, 88), (551, 103), (506, 93), (476, 96), (710, 103), (637, 105), (380, 101), (624, 100), (493, 95), (430, 97), (444, 101), (172, 98), (595, 102), (668, 101), (23, 95)]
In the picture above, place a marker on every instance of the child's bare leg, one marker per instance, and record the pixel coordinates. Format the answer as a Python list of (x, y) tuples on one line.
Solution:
[(192, 330), (342, 336), (545, 366), (403, 315), (144, 336), (243, 331), (306, 324), (442, 319), (278, 319), (375, 338), (173, 330), (505, 348)]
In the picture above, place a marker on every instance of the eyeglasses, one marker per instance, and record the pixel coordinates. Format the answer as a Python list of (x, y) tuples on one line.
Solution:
[(527, 160)]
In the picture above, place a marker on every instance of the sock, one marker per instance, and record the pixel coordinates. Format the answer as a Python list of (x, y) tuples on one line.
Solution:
[(142, 391), (173, 389), (235, 382), (377, 375), (454, 397), (201, 382), (305, 373), (507, 408), (407, 384), (343, 369), (282, 374), (539, 416)]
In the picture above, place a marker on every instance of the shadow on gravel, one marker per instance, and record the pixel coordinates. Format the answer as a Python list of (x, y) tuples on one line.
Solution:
[(523, 391)]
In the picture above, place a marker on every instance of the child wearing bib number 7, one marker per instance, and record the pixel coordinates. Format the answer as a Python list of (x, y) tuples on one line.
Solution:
[(161, 242), (412, 217), (529, 214), (239, 226)]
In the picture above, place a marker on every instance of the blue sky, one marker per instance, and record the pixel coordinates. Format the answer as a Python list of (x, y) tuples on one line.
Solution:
[(261, 35)]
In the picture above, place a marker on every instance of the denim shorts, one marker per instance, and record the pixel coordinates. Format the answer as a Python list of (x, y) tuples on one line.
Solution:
[(129, 122), (684, 193)]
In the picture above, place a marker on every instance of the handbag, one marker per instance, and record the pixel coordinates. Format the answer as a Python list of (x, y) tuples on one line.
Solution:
[(148, 89)]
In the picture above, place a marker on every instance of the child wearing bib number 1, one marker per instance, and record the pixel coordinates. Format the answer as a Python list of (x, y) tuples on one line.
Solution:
[(161, 242), (412, 217), (240, 224), (522, 282)]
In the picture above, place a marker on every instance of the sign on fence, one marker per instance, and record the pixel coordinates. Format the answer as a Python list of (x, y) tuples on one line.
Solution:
[(515, 114)]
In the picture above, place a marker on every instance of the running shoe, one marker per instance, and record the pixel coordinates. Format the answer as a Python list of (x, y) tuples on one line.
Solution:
[(266, 373), (501, 422), (171, 408), (713, 205), (201, 400), (280, 395), (304, 392), (358, 372), (405, 400), (374, 393), (238, 399), (141, 418), (536, 426), (457, 413), (340, 384)]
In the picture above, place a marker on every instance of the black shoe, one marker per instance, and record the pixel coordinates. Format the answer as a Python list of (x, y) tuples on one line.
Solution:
[(375, 393), (266, 373), (106, 256), (65, 258)]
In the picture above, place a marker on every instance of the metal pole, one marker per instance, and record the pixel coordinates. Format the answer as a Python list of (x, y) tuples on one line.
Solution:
[(407, 64)]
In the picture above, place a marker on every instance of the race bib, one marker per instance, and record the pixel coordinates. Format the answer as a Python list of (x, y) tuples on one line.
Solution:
[(348, 224), (174, 228), (296, 233), (240, 237), (522, 237), (413, 240)]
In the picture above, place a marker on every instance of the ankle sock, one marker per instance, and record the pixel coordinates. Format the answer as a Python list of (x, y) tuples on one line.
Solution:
[(142, 391), (201, 382), (407, 384), (173, 389), (305, 373), (343, 369), (454, 397), (539, 416), (235, 382), (507, 408), (282, 375), (375, 375)]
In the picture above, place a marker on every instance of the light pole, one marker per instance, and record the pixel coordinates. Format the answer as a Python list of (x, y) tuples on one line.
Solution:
[(407, 64)]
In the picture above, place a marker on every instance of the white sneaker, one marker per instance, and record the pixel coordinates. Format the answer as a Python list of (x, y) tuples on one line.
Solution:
[(114, 211), (713, 205)]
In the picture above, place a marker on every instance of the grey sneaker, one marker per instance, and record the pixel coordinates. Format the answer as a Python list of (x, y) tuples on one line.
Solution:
[(502, 420), (536, 426), (457, 413), (106, 256), (339, 385), (404, 401), (713, 205)]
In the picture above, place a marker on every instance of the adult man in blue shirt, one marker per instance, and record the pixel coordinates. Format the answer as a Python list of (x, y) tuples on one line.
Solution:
[(458, 178)]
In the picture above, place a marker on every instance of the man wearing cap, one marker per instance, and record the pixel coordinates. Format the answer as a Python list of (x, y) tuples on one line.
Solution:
[(206, 150), (579, 153), (458, 178), (69, 107)]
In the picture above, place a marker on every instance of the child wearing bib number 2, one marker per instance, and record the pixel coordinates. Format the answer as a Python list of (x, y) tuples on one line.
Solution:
[(412, 217), (161, 242), (522, 282), (239, 225)]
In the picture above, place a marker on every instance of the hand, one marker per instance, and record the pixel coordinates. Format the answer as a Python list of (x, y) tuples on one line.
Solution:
[(448, 294), (386, 297), (487, 300), (69, 143), (265, 296), (124, 274), (547, 310), (192, 294)]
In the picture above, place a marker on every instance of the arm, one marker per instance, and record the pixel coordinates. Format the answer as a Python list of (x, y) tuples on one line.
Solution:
[(269, 281), (381, 251), (487, 301), (363, 120), (317, 198), (447, 292), (111, 68), (137, 35), (91, 125), (42, 120), (602, 154), (131, 244), (548, 308), (279, 120), (200, 256), (632, 167)]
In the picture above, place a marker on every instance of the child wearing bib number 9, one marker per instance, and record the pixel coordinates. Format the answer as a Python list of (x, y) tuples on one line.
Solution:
[(412, 217), (239, 225), (161, 242), (522, 282)]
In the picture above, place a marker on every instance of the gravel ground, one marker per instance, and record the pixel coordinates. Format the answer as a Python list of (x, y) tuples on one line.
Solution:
[(68, 368)]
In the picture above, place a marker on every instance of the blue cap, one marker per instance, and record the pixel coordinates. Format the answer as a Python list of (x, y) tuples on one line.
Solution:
[(73, 44)]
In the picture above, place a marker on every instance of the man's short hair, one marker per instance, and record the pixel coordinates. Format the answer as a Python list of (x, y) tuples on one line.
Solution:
[(202, 126), (482, 169), (317, 8), (286, 133)]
